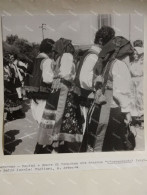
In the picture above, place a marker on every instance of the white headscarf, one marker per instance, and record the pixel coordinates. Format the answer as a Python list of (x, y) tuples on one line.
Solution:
[(139, 50)]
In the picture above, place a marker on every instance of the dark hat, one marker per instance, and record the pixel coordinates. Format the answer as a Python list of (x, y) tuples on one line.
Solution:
[(60, 45), (118, 46)]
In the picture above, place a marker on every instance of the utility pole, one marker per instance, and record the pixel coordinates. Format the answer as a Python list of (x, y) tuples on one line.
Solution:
[(129, 27), (43, 28)]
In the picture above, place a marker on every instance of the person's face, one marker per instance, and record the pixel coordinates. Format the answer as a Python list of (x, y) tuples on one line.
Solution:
[(100, 43), (135, 56)]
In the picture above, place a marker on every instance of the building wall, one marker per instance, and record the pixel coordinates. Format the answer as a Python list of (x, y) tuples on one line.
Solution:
[(129, 26)]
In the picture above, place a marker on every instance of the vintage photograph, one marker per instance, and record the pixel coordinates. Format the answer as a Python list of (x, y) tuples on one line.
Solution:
[(73, 83)]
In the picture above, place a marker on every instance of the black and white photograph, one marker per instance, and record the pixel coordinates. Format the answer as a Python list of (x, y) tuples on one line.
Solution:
[(73, 83)]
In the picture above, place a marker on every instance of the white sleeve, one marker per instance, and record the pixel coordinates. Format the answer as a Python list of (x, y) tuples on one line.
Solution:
[(122, 85), (136, 69), (90, 61), (20, 63), (86, 74), (66, 65), (47, 73)]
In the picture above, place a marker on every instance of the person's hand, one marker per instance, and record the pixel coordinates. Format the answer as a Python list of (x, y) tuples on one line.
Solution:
[(128, 118), (55, 85), (98, 81)]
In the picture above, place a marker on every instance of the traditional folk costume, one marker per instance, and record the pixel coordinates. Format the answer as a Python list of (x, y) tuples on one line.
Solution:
[(136, 69), (38, 88), (59, 123), (85, 79), (12, 102), (107, 119), (43, 77), (68, 123), (120, 104), (20, 68)]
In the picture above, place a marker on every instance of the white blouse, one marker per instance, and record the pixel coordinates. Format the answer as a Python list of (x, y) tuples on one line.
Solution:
[(121, 86), (67, 67), (137, 69), (47, 75), (47, 72), (86, 74)]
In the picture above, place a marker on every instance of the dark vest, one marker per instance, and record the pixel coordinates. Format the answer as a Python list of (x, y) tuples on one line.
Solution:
[(84, 92), (35, 82)]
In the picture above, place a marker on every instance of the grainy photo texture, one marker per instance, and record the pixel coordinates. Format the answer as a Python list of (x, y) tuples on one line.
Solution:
[(73, 83)]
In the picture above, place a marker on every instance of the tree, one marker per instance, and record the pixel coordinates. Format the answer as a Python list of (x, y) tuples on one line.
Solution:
[(11, 39), (25, 50)]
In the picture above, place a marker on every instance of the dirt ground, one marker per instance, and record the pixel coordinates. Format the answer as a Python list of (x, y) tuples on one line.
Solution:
[(20, 136)]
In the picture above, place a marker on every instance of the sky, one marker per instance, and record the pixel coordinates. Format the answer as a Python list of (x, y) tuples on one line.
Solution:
[(79, 28), (67, 26)]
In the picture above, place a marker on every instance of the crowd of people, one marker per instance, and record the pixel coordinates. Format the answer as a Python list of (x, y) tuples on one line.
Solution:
[(14, 75), (83, 101)]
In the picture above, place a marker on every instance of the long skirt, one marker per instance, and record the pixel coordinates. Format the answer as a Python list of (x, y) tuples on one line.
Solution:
[(116, 131), (97, 122), (37, 109), (12, 102), (71, 129), (61, 123), (47, 121)]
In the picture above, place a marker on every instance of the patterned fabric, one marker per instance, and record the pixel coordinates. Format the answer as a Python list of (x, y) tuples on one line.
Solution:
[(64, 124), (60, 109), (71, 129), (45, 136), (12, 103), (50, 132)]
